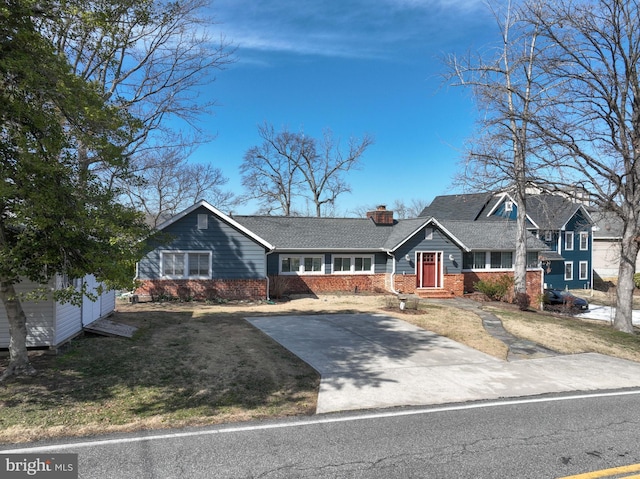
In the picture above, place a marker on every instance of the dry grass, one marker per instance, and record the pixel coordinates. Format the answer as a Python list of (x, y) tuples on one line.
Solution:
[(569, 335), (197, 364), (459, 325)]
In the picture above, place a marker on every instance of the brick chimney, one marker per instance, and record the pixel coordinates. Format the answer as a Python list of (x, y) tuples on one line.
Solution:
[(381, 216)]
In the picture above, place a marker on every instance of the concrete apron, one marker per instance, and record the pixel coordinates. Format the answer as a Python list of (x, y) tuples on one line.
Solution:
[(375, 361)]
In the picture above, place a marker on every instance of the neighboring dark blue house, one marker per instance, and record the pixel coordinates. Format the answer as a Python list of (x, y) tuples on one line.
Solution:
[(203, 253), (564, 226)]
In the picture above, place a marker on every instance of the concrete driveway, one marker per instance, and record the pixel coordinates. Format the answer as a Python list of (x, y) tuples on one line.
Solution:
[(374, 361)]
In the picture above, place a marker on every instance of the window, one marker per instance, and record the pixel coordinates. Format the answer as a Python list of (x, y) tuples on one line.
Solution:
[(203, 221), (584, 241), (428, 233), (363, 264), (568, 270), (568, 240), (301, 264), (173, 264), (474, 260), (181, 264), (313, 264), (467, 260), (198, 264), (548, 236), (290, 265), (341, 264), (584, 270), (501, 259), (532, 259), (353, 264)]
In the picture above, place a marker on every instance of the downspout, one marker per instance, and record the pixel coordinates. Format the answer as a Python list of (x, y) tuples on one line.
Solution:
[(393, 273), (266, 276)]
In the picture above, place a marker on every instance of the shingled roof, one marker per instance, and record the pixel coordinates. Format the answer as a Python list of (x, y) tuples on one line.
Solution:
[(500, 237), (608, 225), (551, 212), (311, 233), (457, 207)]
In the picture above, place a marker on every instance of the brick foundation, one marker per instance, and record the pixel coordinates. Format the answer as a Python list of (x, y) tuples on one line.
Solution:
[(534, 280), (453, 285), (201, 290), (311, 284)]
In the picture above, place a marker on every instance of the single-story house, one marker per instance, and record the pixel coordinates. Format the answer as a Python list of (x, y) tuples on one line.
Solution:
[(203, 253), (51, 323)]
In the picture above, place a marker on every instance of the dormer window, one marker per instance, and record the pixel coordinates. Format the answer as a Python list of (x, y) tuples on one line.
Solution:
[(508, 206)]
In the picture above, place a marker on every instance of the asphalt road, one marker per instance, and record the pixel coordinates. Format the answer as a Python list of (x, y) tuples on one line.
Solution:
[(538, 438)]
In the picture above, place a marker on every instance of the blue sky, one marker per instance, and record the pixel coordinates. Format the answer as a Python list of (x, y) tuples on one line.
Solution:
[(356, 67)]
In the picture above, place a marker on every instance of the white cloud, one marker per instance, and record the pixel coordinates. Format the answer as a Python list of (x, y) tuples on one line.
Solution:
[(347, 28)]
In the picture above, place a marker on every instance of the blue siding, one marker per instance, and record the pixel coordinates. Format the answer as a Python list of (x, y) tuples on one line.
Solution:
[(556, 278), (438, 242), (234, 255), (501, 211)]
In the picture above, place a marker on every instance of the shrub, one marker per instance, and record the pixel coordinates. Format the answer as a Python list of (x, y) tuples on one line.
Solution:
[(636, 280), (184, 293), (495, 289), (278, 286)]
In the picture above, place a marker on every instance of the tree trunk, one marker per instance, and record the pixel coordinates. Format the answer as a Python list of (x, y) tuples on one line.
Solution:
[(520, 263), (18, 358), (624, 304)]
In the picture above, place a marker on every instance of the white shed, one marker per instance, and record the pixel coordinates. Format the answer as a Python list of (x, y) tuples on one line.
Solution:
[(50, 323)]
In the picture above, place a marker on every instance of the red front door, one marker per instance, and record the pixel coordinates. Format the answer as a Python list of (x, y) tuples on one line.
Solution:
[(429, 273)]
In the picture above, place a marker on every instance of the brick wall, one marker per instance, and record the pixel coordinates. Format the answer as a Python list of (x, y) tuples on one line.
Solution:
[(311, 284), (205, 289), (534, 280)]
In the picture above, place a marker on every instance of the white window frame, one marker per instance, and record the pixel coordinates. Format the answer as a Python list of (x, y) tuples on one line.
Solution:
[(532, 264), (584, 276), (570, 276), (203, 221), (548, 236), (301, 260), (490, 262), (568, 245), (352, 264), (185, 255), (584, 237)]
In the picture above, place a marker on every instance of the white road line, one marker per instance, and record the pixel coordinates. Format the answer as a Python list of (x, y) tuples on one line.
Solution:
[(312, 421)]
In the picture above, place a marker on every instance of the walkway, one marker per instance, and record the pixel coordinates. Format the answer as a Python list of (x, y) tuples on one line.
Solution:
[(518, 348)]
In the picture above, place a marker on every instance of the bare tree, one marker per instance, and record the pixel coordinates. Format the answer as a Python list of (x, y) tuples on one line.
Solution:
[(270, 171), (323, 170), (290, 165), (146, 57), (592, 132), (170, 184), (413, 209), (507, 88)]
